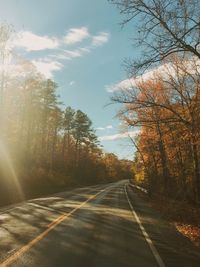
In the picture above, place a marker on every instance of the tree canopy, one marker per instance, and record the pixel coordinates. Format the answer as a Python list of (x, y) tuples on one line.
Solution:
[(164, 103)]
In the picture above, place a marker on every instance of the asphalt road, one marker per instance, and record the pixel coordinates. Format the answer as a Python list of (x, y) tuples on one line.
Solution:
[(105, 225)]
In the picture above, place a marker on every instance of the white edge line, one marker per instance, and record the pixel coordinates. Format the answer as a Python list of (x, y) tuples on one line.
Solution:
[(138, 187), (146, 236)]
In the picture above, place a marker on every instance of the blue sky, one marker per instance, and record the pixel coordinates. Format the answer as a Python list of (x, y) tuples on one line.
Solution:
[(79, 44)]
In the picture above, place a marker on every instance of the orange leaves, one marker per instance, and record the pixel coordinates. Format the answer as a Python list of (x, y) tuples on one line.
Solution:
[(166, 107), (190, 231)]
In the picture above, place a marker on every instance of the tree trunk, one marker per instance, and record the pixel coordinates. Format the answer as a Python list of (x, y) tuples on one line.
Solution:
[(163, 156), (196, 169)]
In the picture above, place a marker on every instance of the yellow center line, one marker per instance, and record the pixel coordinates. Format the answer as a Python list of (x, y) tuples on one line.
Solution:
[(51, 226)]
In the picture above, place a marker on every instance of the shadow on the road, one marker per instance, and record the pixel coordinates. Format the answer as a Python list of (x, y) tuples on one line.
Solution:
[(103, 232), (103, 227)]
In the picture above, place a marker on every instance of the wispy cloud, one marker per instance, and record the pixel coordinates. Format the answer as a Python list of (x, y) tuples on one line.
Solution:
[(32, 42), (104, 128), (51, 62), (69, 54), (66, 54), (125, 84), (164, 69), (72, 53), (71, 83), (100, 128), (47, 68), (118, 136), (76, 35), (96, 41), (130, 83), (100, 39), (109, 127)]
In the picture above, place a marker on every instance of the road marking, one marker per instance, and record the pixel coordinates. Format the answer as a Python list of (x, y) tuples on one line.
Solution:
[(51, 226), (146, 236), (139, 188)]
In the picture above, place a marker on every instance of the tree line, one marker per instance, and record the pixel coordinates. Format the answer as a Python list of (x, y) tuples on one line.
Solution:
[(45, 146), (164, 101)]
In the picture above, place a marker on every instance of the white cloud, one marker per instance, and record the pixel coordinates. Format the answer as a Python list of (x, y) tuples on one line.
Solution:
[(30, 41), (109, 127), (85, 49), (130, 83), (104, 128), (60, 56), (191, 66), (100, 128), (33, 42), (100, 39), (47, 68), (72, 83), (125, 84), (72, 53), (66, 54), (118, 136), (76, 35)]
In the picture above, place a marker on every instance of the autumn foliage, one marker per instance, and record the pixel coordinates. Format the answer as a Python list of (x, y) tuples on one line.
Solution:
[(165, 107)]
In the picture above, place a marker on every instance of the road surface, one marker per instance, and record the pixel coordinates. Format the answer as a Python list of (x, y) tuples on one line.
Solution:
[(99, 226)]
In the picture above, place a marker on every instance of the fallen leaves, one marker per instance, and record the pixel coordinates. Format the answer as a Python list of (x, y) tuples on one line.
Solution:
[(190, 231)]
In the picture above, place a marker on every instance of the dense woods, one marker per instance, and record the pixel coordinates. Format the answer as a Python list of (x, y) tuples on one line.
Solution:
[(44, 146), (164, 102), (166, 108)]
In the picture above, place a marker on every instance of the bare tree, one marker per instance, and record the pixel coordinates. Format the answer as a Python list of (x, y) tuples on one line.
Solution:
[(164, 27)]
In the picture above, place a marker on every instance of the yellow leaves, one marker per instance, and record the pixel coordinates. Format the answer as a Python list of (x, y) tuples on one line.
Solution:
[(153, 90), (139, 177), (190, 231)]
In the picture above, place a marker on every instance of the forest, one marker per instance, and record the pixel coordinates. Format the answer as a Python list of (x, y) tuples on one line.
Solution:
[(163, 96), (45, 147)]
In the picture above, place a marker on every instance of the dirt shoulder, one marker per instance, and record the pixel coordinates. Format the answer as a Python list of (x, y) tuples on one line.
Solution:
[(185, 217)]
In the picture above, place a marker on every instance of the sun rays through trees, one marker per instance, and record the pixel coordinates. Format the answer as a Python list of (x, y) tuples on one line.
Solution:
[(44, 146)]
